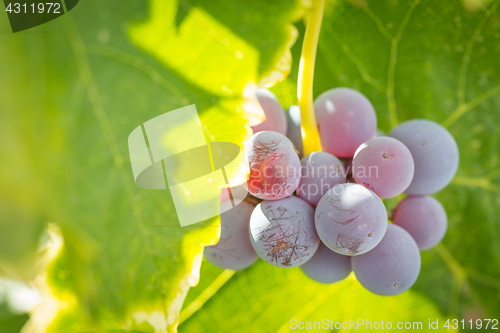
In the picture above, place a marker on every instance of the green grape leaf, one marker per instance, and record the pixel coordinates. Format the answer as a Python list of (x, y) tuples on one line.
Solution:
[(72, 91), (412, 59), (86, 80), (444, 70), (268, 299)]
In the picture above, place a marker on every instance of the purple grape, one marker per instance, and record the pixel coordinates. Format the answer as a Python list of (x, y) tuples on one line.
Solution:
[(434, 152), (234, 249), (424, 218), (293, 131), (384, 165), (346, 119), (327, 266), (274, 166), (282, 232), (350, 219), (275, 115), (392, 267), (320, 172)]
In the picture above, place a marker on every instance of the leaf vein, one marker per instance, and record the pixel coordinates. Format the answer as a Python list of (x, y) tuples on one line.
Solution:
[(317, 302), (468, 52), (357, 62), (391, 73), (379, 23), (81, 57), (136, 62)]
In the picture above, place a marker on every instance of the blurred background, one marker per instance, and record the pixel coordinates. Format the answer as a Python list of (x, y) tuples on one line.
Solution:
[(82, 248)]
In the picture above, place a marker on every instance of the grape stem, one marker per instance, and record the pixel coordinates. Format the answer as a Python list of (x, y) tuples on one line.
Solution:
[(309, 128)]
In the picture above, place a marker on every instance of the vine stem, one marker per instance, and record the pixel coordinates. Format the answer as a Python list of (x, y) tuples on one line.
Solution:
[(309, 128)]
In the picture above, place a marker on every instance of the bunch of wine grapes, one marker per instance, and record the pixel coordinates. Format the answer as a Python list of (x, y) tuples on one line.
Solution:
[(324, 211)]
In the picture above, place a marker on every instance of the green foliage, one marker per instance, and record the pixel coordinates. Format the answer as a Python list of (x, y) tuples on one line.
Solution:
[(73, 89), (439, 62), (264, 298), (11, 322)]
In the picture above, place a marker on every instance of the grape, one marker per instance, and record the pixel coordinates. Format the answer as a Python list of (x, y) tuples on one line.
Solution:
[(293, 128), (392, 267), (350, 219), (345, 120), (434, 152), (275, 115), (327, 266), (282, 232), (384, 165), (424, 218), (274, 166), (234, 249), (320, 172)]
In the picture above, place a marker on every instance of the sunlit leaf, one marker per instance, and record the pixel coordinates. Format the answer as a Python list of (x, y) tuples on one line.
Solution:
[(72, 91)]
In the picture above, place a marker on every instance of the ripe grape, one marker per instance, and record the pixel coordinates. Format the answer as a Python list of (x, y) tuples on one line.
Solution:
[(384, 165), (275, 115), (434, 152), (234, 249), (350, 219), (274, 166), (320, 172), (282, 232), (293, 131), (346, 119), (392, 267), (327, 266), (424, 218)]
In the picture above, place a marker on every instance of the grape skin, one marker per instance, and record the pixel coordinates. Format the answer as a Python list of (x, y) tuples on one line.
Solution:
[(320, 172), (384, 165), (424, 218), (327, 266), (234, 249), (293, 128), (282, 232), (274, 166), (275, 115), (346, 119), (350, 219), (434, 152), (392, 267)]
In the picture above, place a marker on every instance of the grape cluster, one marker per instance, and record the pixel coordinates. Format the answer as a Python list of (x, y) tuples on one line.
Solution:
[(324, 211)]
